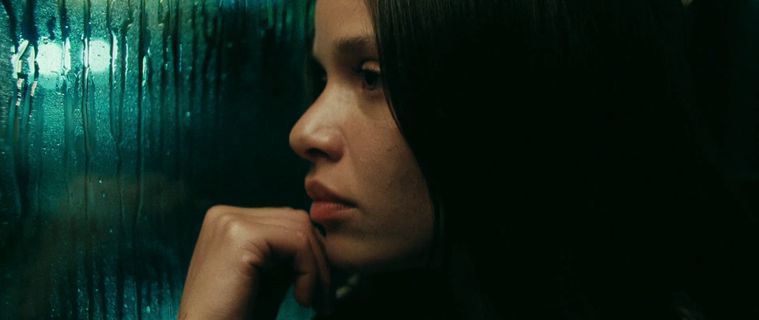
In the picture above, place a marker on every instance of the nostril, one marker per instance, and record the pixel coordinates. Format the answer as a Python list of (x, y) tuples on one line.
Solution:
[(314, 153)]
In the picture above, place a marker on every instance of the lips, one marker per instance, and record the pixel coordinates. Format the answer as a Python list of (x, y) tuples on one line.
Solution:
[(328, 213), (328, 206)]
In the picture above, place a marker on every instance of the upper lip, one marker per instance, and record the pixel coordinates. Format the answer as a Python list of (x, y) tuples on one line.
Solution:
[(319, 192)]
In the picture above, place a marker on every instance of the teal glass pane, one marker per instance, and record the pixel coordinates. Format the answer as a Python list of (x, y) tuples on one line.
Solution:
[(121, 122)]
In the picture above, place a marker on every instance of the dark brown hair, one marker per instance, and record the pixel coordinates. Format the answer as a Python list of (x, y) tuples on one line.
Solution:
[(559, 141)]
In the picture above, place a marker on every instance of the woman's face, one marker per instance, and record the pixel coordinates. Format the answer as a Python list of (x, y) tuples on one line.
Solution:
[(368, 191)]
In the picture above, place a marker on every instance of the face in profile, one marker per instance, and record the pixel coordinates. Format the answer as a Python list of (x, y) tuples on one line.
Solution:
[(369, 194)]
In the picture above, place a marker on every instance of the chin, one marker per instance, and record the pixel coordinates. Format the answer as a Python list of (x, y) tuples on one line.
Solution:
[(350, 255), (346, 254)]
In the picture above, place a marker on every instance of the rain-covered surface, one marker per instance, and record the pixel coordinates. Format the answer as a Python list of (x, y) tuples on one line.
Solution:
[(121, 122)]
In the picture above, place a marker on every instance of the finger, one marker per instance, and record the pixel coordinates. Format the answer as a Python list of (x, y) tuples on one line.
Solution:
[(281, 215), (297, 221), (217, 281), (306, 279), (321, 291), (275, 221), (297, 245), (312, 276), (317, 246), (324, 295)]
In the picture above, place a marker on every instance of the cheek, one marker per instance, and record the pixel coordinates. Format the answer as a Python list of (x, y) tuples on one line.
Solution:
[(397, 186), (387, 167), (396, 223), (387, 172)]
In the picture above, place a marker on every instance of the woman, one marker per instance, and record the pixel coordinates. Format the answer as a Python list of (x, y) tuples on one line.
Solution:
[(487, 159)]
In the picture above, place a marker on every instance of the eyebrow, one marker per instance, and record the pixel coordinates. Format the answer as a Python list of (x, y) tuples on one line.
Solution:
[(352, 46), (355, 45)]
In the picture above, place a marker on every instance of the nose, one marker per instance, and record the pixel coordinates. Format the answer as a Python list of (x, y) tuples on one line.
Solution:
[(317, 135)]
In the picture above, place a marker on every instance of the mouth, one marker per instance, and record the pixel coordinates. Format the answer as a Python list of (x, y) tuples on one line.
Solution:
[(328, 213), (328, 207)]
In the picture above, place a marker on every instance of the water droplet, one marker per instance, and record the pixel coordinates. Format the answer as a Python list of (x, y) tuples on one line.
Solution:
[(103, 195), (147, 309), (100, 181)]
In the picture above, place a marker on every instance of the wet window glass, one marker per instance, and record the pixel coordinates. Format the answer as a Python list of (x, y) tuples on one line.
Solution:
[(121, 122)]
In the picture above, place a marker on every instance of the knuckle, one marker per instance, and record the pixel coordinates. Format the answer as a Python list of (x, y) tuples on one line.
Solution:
[(291, 210), (232, 228), (254, 255), (223, 222), (213, 213), (302, 220), (302, 240)]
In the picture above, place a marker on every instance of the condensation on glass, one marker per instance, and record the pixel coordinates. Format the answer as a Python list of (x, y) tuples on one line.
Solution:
[(121, 122)]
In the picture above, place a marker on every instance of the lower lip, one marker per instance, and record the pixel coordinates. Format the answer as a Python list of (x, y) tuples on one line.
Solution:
[(325, 211)]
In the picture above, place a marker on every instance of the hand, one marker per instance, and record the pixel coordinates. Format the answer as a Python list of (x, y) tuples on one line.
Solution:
[(237, 245)]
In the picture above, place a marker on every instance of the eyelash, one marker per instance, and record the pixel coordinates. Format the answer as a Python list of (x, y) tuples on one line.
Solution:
[(371, 80)]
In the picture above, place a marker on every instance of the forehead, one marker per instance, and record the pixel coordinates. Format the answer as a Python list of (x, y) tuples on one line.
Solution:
[(337, 20)]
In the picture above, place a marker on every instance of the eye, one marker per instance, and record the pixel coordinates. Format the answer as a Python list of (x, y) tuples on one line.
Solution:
[(370, 75)]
